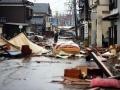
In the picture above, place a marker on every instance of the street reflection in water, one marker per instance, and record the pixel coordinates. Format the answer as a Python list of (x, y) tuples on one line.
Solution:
[(36, 73)]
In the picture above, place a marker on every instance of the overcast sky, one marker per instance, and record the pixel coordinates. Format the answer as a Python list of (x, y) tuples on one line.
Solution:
[(56, 5)]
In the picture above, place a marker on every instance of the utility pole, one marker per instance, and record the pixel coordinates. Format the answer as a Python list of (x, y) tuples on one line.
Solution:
[(57, 18), (75, 17), (85, 22)]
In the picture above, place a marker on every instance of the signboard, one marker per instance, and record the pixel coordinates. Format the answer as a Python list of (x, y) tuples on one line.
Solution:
[(85, 29)]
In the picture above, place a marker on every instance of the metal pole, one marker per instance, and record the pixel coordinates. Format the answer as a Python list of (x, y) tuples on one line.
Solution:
[(80, 35), (86, 31), (75, 17)]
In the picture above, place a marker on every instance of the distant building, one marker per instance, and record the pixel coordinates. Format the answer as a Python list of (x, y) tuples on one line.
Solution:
[(40, 20), (15, 16)]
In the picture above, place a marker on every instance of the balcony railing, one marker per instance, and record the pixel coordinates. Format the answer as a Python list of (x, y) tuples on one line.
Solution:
[(3, 19)]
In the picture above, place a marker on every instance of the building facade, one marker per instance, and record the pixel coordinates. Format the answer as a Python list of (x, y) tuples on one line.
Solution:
[(113, 17), (99, 27), (40, 20), (15, 16)]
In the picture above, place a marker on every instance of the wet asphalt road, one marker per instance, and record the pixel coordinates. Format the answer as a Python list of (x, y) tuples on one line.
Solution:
[(36, 73)]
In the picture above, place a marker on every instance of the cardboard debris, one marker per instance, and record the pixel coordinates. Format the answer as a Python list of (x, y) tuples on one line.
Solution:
[(83, 69), (8, 46), (107, 54), (72, 73), (21, 40), (83, 72), (2, 42)]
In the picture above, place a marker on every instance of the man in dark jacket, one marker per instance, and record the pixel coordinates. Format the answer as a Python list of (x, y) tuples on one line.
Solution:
[(56, 37)]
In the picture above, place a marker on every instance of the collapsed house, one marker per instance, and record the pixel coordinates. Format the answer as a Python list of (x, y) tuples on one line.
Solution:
[(16, 44), (21, 40)]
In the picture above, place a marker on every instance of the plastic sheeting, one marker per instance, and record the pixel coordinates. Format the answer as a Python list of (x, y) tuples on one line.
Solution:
[(21, 39), (67, 47)]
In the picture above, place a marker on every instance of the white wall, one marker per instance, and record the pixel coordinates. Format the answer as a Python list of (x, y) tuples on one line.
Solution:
[(105, 2), (0, 30), (102, 26), (99, 26)]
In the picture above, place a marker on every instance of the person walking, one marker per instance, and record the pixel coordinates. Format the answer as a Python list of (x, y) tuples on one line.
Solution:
[(56, 36)]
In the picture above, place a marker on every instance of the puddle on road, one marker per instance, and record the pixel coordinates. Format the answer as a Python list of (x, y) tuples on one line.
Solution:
[(35, 73)]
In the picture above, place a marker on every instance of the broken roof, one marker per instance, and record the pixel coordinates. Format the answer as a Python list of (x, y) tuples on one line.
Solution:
[(21, 40)]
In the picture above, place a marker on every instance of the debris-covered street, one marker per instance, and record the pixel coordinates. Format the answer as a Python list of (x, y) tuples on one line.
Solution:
[(59, 45), (36, 73), (53, 66)]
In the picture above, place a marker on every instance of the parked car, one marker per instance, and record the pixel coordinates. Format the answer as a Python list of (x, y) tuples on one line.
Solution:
[(67, 34), (30, 34)]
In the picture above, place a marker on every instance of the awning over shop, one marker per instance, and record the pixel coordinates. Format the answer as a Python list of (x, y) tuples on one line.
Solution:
[(22, 24), (111, 16)]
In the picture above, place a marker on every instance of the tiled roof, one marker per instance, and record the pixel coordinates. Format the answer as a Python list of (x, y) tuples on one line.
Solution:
[(14, 1), (41, 8), (11, 1)]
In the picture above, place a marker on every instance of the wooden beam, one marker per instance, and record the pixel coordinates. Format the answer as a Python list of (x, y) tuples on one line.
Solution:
[(101, 65)]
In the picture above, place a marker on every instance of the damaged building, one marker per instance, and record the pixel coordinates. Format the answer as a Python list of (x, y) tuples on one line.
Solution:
[(15, 17)]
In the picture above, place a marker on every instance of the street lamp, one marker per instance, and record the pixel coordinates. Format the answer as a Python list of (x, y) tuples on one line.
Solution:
[(20, 27)]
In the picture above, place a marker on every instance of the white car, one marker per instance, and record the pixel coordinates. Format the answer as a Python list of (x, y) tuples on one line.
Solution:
[(30, 34)]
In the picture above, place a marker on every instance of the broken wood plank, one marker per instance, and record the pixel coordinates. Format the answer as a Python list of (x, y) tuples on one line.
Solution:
[(101, 65)]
